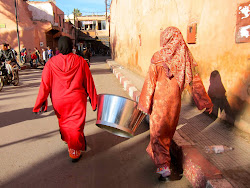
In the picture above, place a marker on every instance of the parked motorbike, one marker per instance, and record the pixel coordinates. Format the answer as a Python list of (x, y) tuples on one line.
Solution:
[(5, 78)]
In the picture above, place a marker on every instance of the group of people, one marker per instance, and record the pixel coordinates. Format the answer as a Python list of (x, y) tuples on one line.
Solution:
[(172, 69), (85, 53), (35, 55)]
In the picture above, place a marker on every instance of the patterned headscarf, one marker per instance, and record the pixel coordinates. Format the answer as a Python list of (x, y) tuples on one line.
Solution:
[(175, 57)]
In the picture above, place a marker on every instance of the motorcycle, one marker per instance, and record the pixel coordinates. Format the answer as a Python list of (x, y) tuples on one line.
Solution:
[(5, 78)]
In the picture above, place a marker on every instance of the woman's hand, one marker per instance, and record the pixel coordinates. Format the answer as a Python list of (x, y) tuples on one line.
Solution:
[(209, 110)]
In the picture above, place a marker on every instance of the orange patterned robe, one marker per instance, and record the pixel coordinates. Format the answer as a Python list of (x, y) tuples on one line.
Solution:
[(170, 71), (160, 97)]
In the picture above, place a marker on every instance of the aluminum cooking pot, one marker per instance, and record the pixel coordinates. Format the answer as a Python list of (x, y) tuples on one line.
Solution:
[(118, 115)]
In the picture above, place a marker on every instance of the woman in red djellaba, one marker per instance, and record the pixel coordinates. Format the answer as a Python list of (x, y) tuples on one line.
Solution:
[(172, 69), (68, 80)]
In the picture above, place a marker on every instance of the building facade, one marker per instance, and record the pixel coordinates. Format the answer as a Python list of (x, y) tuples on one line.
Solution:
[(40, 24), (94, 32)]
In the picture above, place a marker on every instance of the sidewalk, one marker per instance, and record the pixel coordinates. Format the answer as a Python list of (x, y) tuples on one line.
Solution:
[(195, 131)]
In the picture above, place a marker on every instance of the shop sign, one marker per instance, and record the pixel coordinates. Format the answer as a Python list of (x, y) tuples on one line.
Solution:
[(243, 23), (87, 22)]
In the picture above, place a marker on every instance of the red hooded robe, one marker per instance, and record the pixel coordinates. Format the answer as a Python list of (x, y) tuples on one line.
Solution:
[(69, 82)]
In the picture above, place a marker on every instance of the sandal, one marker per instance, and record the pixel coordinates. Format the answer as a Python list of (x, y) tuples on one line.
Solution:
[(75, 155)]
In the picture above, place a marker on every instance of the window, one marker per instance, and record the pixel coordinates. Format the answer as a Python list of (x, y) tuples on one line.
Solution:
[(88, 25), (102, 25), (60, 21)]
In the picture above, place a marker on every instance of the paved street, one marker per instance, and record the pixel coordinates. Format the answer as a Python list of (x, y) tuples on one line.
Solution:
[(33, 155)]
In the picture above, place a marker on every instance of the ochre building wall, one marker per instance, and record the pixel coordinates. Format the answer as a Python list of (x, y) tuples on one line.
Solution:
[(135, 27)]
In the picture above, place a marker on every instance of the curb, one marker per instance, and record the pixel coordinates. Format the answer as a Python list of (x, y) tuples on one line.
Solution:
[(127, 85), (196, 168)]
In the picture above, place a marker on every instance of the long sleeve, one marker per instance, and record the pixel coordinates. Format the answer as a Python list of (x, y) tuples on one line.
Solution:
[(147, 93), (44, 90), (90, 86), (200, 96), (11, 56)]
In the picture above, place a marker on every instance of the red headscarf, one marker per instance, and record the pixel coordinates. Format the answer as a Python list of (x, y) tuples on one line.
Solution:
[(175, 57)]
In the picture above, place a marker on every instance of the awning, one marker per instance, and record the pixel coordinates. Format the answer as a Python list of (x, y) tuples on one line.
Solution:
[(59, 34), (53, 29)]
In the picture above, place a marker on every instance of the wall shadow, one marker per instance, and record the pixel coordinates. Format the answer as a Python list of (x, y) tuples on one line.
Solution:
[(224, 109), (231, 107), (217, 93)]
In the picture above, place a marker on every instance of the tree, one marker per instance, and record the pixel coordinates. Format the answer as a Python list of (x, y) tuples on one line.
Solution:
[(77, 12)]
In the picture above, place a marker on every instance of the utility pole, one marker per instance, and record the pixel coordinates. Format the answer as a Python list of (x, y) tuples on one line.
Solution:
[(18, 41), (106, 4), (75, 25)]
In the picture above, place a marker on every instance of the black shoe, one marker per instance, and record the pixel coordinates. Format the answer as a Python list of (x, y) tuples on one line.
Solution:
[(76, 160), (163, 179)]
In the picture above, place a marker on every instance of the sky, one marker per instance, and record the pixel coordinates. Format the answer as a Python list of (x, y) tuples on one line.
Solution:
[(86, 7)]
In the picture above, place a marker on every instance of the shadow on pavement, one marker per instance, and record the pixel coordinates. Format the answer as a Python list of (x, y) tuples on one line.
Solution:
[(100, 71), (20, 115), (238, 175), (14, 97), (41, 136), (107, 164), (97, 63), (37, 137), (21, 87)]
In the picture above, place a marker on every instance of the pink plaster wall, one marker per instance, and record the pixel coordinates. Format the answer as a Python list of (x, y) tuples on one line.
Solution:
[(58, 13), (7, 15), (31, 33)]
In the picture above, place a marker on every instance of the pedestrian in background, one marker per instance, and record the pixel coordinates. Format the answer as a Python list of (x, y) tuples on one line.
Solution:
[(57, 51), (50, 52), (28, 57), (68, 77), (74, 50), (23, 54), (45, 56), (37, 53), (171, 70), (88, 53)]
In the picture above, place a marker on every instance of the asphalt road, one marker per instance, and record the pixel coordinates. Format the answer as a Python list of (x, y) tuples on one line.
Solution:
[(33, 155)]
